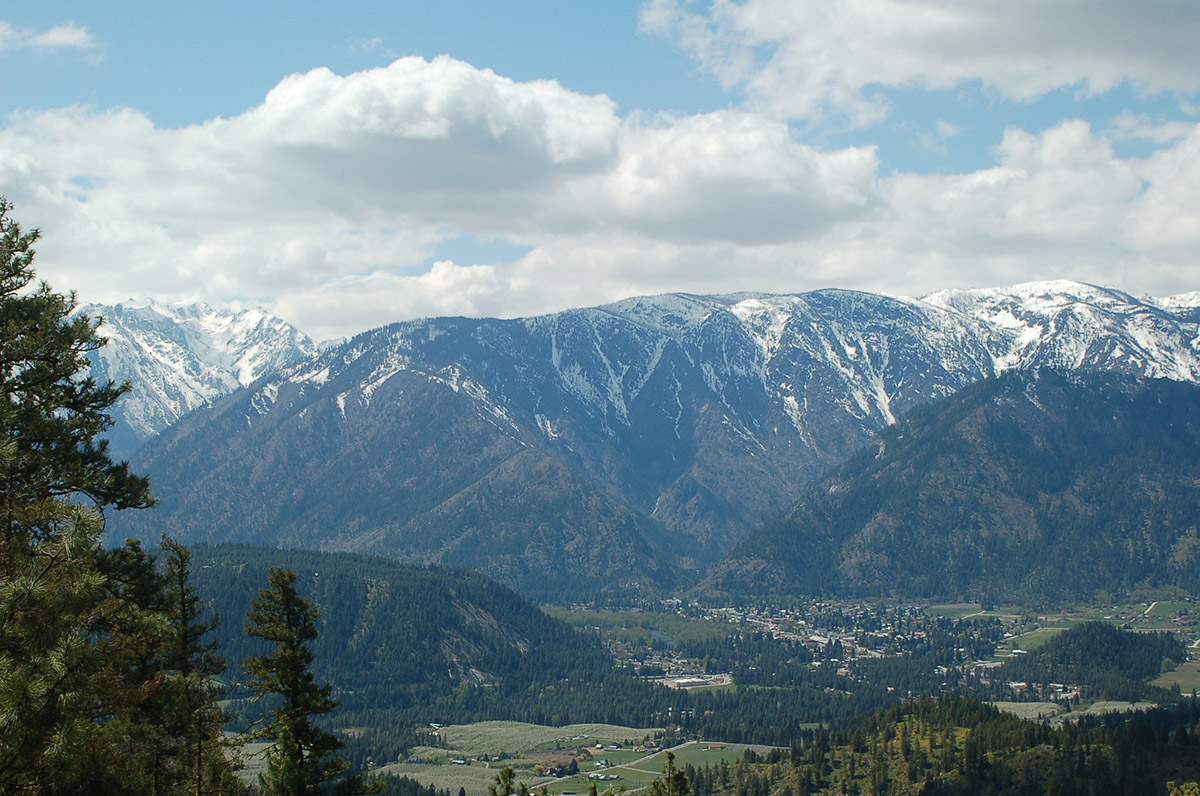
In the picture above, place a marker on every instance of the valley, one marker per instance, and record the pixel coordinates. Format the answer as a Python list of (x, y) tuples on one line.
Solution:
[(610, 547), (755, 520), (522, 695)]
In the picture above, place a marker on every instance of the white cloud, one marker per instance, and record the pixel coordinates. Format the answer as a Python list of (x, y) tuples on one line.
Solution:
[(728, 176), (813, 58), (326, 201), (334, 181), (1128, 125), (947, 130), (60, 37)]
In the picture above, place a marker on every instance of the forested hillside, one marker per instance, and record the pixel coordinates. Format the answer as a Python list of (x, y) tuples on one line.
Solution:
[(404, 646), (1107, 663), (956, 746), (1031, 488)]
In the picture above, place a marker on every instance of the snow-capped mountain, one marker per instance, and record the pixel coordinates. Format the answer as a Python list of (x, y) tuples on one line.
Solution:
[(179, 356), (1070, 326), (655, 430)]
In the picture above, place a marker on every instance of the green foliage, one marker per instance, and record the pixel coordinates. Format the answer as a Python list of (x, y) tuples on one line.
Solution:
[(1110, 663), (52, 412), (1032, 488), (406, 786), (50, 593), (193, 658), (673, 781), (961, 747), (89, 702), (301, 759), (505, 783)]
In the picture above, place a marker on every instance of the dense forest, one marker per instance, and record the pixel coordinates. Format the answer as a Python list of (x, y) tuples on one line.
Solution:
[(405, 646), (1035, 489), (1106, 662), (956, 745)]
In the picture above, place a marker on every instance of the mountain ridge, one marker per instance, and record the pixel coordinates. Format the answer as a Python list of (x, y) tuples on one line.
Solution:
[(679, 422), (1034, 488), (179, 356)]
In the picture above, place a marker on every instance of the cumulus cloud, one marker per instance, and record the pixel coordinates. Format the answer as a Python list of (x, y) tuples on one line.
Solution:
[(1128, 125), (60, 37), (813, 59), (341, 180), (728, 176), (327, 202)]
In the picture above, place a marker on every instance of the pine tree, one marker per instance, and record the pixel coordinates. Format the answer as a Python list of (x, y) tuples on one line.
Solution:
[(54, 603), (301, 759), (53, 412), (89, 702), (193, 656), (673, 781), (49, 595)]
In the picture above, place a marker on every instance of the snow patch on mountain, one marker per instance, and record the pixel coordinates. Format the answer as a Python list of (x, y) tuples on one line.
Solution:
[(769, 361), (179, 356)]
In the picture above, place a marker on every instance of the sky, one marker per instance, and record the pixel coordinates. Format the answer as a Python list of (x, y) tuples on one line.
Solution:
[(345, 167)]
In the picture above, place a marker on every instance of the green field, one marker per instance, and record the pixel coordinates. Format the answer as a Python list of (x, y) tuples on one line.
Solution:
[(523, 747), (641, 771), (526, 746), (1186, 676), (1035, 638), (955, 610), (702, 753), (1100, 708), (1030, 710), (474, 778), (514, 737)]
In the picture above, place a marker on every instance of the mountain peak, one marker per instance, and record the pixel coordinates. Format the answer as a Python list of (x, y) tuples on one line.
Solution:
[(179, 355)]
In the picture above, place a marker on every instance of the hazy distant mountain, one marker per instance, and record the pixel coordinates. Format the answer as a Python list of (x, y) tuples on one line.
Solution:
[(179, 356), (603, 449), (1033, 487)]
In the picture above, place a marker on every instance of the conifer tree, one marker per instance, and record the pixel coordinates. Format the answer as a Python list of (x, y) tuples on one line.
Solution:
[(49, 594), (53, 412), (84, 679), (301, 759), (193, 657), (53, 600), (673, 781)]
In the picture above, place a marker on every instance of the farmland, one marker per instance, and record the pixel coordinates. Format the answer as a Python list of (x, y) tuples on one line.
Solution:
[(612, 755)]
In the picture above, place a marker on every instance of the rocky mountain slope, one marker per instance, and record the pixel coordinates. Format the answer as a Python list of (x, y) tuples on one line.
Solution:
[(179, 356), (609, 448), (1037, 487)]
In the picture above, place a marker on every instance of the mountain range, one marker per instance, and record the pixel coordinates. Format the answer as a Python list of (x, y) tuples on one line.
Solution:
[(1035, 488), (617, 449), (177, 357)]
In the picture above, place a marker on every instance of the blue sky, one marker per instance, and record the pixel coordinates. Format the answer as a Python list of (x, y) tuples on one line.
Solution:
[(349, 166)]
